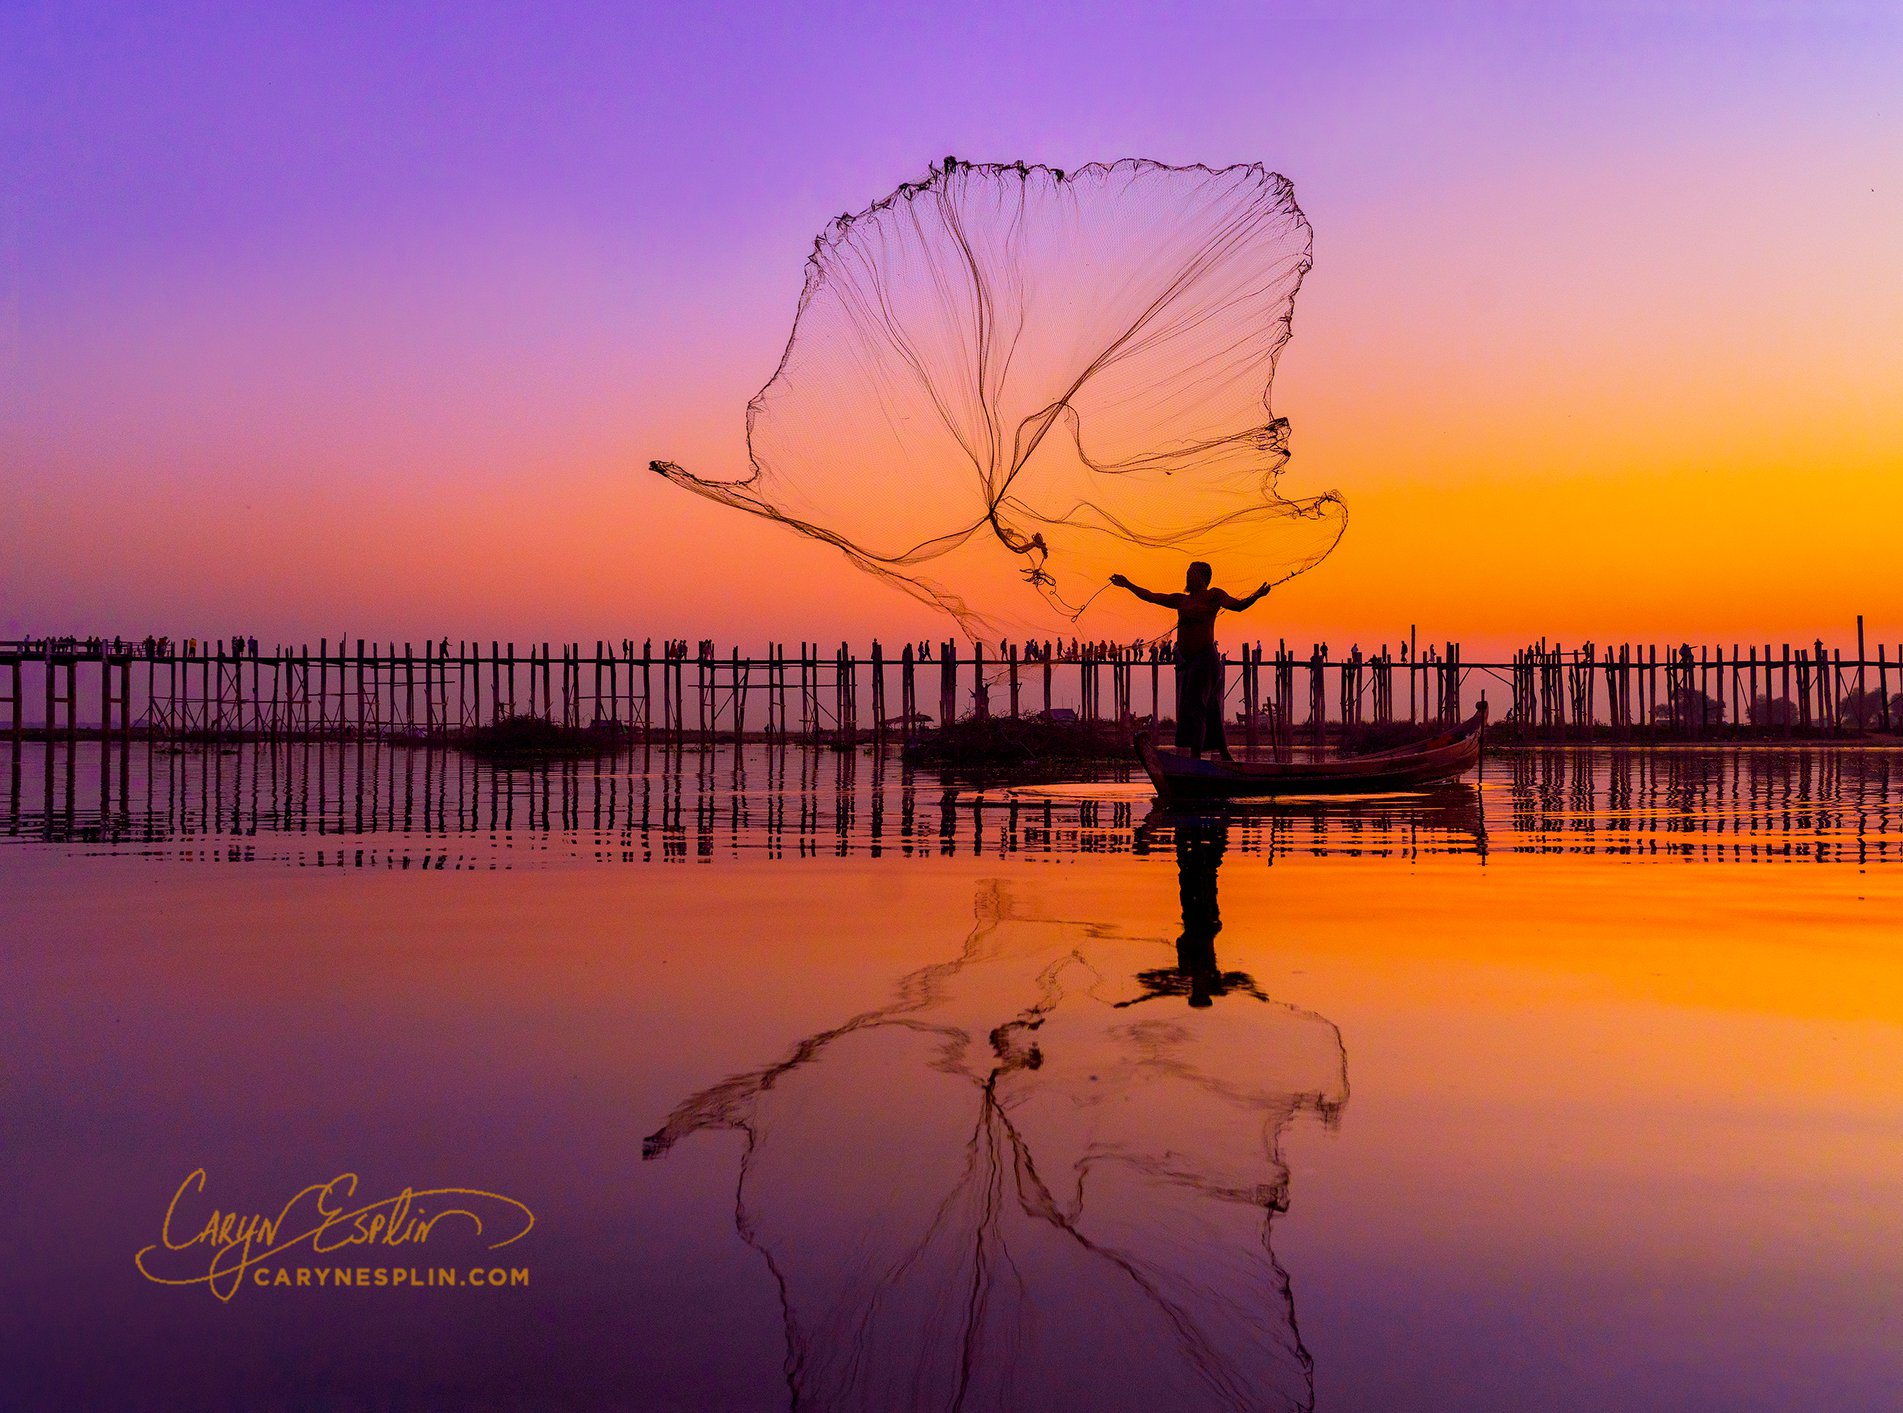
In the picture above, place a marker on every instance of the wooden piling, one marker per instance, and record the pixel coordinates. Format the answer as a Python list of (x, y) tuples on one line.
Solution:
[(1791, 710), (1860, 678), (1836, 691)]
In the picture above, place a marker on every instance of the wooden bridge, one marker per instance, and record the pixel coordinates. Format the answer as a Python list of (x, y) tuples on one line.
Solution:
[(232, 689)]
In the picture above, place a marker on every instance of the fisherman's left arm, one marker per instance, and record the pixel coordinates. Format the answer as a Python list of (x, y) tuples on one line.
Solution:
[(1230, 601)]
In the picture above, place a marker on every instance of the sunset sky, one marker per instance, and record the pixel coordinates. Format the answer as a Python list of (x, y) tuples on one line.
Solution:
[(366, 320)]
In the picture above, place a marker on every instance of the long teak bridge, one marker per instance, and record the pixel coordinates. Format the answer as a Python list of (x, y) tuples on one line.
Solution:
[(232, 689)]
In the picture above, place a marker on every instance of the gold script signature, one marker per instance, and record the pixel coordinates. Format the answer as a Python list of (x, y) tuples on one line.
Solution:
[(329, 1217)]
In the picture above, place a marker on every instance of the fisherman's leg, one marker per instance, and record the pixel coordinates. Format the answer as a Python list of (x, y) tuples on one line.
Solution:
[(1188, 703), (1199, 710), (1218, 740)]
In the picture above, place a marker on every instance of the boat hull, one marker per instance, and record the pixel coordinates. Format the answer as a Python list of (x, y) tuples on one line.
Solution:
[(1444, 757)]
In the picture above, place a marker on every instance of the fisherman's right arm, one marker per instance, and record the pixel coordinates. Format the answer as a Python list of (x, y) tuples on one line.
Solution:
[(1161, 600)]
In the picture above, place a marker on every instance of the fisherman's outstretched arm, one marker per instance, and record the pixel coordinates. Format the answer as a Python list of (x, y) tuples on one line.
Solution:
[(1230, 601), (1148, 596)]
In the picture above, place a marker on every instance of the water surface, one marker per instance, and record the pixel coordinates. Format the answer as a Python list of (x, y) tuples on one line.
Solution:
[(834, 1083)]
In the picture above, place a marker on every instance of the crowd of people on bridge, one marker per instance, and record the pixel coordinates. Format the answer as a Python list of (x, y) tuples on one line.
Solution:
[(1073, 650), (150, 646)]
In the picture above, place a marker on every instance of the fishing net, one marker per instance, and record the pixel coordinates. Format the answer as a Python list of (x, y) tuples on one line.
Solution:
[(1006, 383)]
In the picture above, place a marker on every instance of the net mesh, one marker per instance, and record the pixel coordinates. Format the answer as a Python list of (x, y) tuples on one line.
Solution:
[(1006, 382)]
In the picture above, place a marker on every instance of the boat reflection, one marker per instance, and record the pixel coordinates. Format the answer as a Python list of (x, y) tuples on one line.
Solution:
[(1019, 1185), (1446, 813)]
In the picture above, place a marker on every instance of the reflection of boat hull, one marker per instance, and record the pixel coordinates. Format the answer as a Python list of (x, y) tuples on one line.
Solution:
[(1452, 806), (1444, 757)]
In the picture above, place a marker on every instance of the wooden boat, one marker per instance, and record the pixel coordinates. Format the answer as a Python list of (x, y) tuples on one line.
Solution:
[(1444, 757)]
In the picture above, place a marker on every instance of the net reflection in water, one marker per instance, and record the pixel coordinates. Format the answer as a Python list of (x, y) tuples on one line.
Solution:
[(1019, 1185)]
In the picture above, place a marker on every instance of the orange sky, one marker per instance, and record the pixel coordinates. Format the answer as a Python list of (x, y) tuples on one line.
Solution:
[(1603, 338)]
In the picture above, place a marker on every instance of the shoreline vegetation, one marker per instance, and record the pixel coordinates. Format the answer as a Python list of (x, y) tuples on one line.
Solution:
[(527, 740), (1012, 742)]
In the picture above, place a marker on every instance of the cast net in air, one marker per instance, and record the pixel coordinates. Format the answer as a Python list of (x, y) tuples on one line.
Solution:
[(1006, 383)]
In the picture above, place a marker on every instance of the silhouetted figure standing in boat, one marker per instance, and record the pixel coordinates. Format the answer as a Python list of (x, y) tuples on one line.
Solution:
[(1199, 674)]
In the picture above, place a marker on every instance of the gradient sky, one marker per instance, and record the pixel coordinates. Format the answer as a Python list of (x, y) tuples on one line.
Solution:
[(366, 319)]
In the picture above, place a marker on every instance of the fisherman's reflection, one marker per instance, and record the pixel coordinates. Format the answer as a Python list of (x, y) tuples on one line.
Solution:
[(1200, 844), (1014, 1187)]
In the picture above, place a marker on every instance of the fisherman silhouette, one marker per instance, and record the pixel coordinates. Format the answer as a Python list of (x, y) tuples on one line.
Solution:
[(1199, 669)]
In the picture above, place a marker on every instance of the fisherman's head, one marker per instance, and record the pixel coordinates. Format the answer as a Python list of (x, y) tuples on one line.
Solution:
[(1199, 576)]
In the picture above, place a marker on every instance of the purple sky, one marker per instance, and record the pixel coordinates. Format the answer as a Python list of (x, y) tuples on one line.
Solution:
[(339, 262)]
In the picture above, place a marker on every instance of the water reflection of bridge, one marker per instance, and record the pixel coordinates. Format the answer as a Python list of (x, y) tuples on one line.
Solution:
[(378, 804)]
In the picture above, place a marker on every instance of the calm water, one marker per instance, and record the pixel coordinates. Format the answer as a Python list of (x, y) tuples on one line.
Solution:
[(831, 1083)]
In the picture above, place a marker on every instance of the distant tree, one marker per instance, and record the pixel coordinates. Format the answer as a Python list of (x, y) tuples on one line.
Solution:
[(1773, 711), (1864, 710), (1690, 708)]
